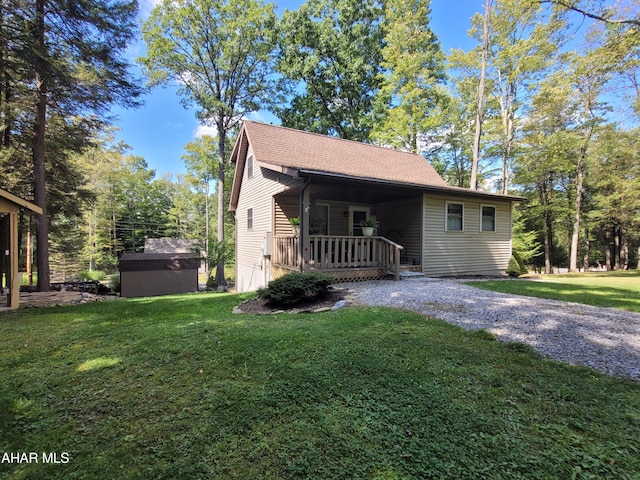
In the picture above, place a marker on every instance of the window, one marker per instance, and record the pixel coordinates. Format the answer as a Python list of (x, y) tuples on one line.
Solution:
[(250, 166), (455, 220), (250, 219), (319, 219), (487, 219)]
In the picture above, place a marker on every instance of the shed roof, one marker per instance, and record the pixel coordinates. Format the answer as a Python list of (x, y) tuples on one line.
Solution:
[(136, 262)]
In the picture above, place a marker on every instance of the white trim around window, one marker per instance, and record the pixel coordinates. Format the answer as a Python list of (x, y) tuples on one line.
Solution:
[(488, 218), (453, 216), (250, 218), (250, 166)]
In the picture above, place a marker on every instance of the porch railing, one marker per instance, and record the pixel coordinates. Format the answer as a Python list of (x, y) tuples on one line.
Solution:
[(328, 252)]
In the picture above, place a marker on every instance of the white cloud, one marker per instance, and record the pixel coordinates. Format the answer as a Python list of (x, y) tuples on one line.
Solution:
[(202, 130)]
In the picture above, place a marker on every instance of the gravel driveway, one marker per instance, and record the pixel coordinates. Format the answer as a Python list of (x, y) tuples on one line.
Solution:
[(602, 338)]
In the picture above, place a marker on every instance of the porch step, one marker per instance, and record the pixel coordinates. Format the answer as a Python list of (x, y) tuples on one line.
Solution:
[(410, 275)]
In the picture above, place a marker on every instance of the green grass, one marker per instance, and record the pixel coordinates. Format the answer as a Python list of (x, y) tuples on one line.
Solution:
[(605, 289), (178, 387)]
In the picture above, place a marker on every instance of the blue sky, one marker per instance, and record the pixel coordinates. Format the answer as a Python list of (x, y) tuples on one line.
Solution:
[(158, 130)]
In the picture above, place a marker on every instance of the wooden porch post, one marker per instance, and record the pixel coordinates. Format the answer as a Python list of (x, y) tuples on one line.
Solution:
[(305, 241), (14, 280)]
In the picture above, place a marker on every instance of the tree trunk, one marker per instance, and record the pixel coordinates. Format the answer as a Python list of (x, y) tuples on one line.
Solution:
[(206, 228), (508, 114), (608, 250), (575, 235), (29, 254), (480, 107), (220, 280), (624, 249), (587, 247), (39, 154), (616, 240)]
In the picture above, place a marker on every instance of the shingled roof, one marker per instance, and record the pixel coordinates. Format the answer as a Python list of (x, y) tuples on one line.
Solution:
[(298, 153), (296, 150)]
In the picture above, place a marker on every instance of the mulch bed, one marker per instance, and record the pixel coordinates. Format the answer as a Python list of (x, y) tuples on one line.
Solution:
[(258, 306)]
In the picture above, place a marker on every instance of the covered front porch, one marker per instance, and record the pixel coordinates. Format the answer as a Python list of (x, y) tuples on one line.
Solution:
[(330, 238)]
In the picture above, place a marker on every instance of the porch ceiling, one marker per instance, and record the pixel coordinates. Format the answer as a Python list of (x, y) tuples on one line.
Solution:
[(342, 191)]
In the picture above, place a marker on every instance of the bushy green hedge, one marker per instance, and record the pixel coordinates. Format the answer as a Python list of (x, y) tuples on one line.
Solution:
[(296, 287), (514, 269)]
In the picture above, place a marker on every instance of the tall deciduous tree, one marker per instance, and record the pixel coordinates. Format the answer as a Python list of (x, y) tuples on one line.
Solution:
[(517, 41), (201, 159), (69, 57), (414, 66), (615, 180), (220, 53), (333, 47), (543, 164)]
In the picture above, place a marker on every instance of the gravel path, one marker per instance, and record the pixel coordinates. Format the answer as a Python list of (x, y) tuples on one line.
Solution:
[(605, 339)]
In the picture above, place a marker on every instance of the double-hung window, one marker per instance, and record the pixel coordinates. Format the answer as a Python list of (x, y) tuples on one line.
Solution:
[(487, 218), (249, 218), (455, 217)]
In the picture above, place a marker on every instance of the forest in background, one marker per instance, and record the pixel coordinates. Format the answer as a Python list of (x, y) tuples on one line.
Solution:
[(546, 107)]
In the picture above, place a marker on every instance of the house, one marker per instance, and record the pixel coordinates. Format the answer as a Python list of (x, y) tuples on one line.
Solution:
[(10, 208), (333, 184)]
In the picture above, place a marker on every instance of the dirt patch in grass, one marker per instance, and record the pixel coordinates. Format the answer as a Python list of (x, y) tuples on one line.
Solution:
[(259, 306)]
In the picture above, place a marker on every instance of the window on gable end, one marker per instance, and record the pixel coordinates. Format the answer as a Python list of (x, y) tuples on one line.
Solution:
[(250, 166), (487, 218)]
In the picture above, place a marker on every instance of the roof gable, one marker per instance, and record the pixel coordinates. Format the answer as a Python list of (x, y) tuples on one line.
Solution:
[(292, 151)]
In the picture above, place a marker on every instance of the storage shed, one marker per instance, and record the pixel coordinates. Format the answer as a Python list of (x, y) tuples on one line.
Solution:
[(152, 274)]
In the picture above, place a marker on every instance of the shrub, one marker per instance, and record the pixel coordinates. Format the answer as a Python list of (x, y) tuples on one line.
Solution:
[(513, 270), (520, 260), (114, 282), (296, 287)]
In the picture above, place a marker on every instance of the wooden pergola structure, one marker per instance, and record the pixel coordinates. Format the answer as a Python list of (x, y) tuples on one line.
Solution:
[(10, 207)]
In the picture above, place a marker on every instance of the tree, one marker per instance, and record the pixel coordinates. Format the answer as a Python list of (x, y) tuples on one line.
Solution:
[(543, 161), (484, 53), (414, 66), (220, 52), (333, 47), (588, 82), (605, 15), (615, 179), (69, 57), (518, 40), (202, 161)]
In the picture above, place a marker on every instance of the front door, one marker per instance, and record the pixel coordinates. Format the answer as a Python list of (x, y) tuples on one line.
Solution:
[(356, 215)]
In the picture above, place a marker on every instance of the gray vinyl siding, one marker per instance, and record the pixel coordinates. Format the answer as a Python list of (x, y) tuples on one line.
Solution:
[(400, 222), (286, 207), (256, 193), (466, 252)]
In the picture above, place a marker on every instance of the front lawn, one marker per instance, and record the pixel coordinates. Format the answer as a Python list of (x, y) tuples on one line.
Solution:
[(603, 289), (178, 387)]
